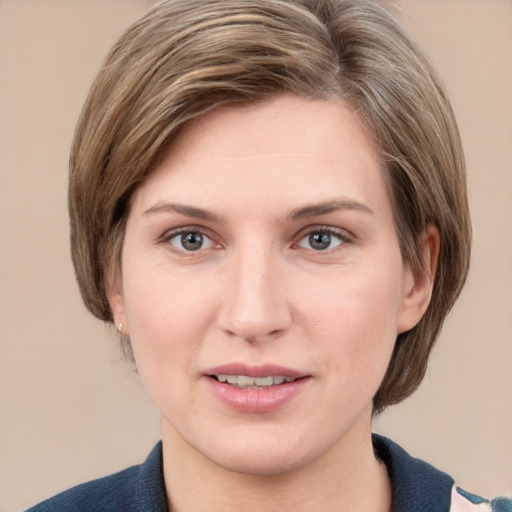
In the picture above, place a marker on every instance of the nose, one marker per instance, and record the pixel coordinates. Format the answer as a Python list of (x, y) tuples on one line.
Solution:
[(255, 307)]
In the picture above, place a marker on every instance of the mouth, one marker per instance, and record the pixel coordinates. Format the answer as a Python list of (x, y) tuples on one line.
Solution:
[(247, 382), (256, 389)]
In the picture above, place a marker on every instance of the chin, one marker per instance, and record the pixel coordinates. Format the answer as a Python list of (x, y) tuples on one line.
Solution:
[(273, 466), (263, 459)]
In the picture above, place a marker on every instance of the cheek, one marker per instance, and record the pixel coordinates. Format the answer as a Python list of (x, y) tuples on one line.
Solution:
[(354, 319), (167, 315)]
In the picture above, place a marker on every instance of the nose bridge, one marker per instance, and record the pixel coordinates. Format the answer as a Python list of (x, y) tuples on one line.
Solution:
[(256, 305)]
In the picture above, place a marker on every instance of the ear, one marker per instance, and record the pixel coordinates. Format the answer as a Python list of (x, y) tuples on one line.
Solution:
[(417, 287), (116, 302)]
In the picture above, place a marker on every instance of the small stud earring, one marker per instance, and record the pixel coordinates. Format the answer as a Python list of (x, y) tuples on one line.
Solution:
[(120, 327)]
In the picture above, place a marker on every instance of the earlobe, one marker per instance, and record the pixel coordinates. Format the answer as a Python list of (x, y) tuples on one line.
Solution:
[(116, 302), (417, 287)]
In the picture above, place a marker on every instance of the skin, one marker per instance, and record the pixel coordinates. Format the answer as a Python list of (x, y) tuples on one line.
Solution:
[(260, 290)]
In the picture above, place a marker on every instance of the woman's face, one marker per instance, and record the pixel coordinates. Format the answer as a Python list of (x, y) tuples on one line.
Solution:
[(263, 287)]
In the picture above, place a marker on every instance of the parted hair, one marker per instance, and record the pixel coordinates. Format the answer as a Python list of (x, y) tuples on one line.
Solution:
[(185, 58)]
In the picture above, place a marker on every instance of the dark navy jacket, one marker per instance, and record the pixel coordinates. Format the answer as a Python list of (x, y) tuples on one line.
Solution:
[(417, 486)]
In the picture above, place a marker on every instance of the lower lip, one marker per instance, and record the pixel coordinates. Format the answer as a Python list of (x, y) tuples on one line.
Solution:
[(256, 400)]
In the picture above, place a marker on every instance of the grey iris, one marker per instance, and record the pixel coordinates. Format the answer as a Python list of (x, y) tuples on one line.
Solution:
[(320, 241), (192, 241)]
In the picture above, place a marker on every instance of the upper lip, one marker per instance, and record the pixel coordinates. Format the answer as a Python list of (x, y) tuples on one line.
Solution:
[(263, 370)]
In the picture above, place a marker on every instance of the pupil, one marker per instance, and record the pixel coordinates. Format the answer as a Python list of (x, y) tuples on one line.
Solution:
[(192, 241), (320, 241)]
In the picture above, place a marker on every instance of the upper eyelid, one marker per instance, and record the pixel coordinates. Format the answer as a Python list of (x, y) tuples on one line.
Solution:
[(342, 233), (170, 233)]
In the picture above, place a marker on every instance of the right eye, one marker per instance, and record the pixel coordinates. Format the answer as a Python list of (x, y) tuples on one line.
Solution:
[(189, 241)]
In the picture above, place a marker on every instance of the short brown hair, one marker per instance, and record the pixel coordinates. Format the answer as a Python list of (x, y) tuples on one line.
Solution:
[(185, 58)]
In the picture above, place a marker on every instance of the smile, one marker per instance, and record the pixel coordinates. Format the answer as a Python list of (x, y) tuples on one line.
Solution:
[(256, 389), (244, 381)]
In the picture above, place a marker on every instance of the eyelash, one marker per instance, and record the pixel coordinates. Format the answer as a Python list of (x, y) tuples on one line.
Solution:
[(342, 236)]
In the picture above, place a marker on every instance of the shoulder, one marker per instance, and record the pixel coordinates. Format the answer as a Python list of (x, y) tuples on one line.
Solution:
[(101, 494), (419, 487), (137, 488)]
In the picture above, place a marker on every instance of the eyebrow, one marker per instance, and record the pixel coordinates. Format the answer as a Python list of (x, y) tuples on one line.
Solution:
[(187, 211), (316, 210)]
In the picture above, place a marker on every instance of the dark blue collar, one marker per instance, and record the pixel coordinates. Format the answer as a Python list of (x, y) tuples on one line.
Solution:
[(417, 486), (150, 494)]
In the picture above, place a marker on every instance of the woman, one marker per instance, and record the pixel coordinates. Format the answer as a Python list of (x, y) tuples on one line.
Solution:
[(267, 199)]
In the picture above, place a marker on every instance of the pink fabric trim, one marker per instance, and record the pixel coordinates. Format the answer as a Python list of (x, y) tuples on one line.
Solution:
[(461, 504)]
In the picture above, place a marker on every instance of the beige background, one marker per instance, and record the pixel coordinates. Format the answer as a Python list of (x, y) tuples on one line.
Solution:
[(71, 411)]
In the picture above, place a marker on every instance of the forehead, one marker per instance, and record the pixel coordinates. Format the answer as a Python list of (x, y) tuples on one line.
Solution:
[(291, 148), (284, 123)]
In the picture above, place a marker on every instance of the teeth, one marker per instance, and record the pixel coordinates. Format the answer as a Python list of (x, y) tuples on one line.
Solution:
[(264, 381), (243, 381)]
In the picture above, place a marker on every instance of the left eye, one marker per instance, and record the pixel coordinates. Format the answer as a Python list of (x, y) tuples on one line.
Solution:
[(321, 240), (189, 241)]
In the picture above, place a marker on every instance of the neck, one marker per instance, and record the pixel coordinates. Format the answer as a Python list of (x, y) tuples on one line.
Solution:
[(348, 478)]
